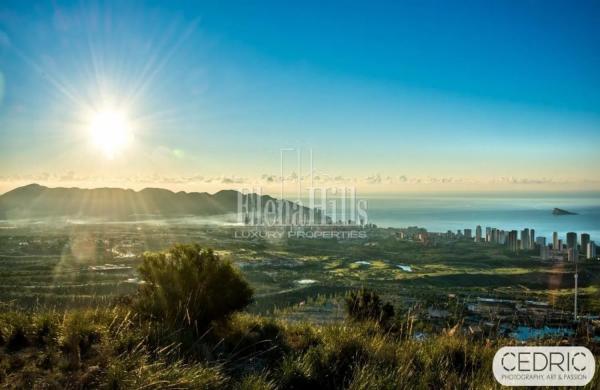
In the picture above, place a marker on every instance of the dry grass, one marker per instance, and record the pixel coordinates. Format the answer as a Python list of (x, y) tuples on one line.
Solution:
[(113, 348)]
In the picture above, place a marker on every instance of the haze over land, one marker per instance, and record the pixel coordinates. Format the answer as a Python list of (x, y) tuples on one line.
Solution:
[(35, 201)]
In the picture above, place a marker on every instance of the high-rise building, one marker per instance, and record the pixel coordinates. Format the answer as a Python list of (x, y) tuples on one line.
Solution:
[(468, 233), (531, 238), (544, 252), (488, 234), (590, 250), (521, 240), (512, 241), (571, 240), (478, 233), (540, 241), (502, 237), (571, 255), (525, 239), (560, 245), (585, 238), (555, 241)]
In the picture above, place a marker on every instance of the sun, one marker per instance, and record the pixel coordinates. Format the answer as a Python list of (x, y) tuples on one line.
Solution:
[(110, 131)]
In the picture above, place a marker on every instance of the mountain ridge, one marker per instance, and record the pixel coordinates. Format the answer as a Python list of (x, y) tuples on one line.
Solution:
[(34, 201)]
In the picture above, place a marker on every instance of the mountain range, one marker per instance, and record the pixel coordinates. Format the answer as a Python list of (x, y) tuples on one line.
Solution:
[(36, 201)]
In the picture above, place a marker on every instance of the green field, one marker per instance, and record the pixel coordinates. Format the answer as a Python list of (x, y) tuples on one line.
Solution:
[(87, 264)]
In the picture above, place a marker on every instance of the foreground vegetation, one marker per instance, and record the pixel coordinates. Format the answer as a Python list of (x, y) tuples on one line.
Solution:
[(113, 348), (185, 329)]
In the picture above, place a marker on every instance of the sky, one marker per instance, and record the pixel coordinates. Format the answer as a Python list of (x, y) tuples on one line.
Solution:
[(386, 96)]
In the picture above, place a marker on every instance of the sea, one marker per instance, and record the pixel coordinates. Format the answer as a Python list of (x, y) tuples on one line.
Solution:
[(440, 213)]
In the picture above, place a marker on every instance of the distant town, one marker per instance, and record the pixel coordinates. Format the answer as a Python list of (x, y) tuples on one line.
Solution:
[(570, 249)]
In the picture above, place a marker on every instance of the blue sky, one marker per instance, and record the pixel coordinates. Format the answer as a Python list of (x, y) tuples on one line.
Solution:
[(404, 93)]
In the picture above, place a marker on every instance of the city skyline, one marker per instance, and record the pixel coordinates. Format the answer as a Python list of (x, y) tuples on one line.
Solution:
[(574, 246)]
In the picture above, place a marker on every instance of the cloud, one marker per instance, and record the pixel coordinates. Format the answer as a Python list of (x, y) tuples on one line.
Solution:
[(69, 176), (233, 180), (196, 178), (271, 181), (269, 178), (375, 179), (525, 180)]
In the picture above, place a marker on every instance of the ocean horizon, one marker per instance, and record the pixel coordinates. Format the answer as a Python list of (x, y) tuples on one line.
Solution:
[(534, 211)]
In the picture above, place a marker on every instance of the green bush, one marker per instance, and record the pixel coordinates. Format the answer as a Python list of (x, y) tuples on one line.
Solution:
[(80, 332), (190, 287), (247, 338), (365, 304)]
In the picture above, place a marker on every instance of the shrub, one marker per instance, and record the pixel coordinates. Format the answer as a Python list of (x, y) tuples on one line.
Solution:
[(191, 287), (366, 305), (14, 328), (17, 340), (80, 331), (330, 363), (45, 324), (247, 339), (294, 373), (300, 337)]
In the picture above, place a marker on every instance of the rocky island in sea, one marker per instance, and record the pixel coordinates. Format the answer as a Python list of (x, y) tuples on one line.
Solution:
[(558, 211)]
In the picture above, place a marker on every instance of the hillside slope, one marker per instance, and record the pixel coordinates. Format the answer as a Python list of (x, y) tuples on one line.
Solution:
[(36, 201)]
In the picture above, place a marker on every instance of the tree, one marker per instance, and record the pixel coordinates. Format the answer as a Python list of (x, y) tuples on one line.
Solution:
[(190, 286)]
